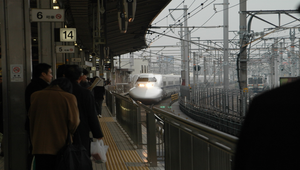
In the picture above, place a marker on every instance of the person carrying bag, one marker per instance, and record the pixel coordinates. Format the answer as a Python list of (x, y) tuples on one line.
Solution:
[(98, 151), (73, 157)]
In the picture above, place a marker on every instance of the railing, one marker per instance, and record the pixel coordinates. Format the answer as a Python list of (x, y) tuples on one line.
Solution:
[(180, 143), (217, 108)]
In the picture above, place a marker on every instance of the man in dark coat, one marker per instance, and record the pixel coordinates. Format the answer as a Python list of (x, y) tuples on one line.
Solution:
[(41, 77), (86, 105), (99, 92), (269, 137)]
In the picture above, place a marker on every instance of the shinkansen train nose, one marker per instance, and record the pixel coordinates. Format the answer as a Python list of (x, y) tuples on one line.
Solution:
[(146, 93)]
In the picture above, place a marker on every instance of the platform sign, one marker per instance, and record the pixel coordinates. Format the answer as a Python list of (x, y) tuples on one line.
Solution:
[(67, 34), (47, 15), (76, 60), (65, 49)]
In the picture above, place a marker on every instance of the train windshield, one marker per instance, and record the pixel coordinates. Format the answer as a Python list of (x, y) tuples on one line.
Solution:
[(146, 79), (250, 80)]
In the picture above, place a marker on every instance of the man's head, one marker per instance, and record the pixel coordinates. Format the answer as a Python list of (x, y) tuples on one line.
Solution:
[(73, 73), (64, 83), (60, 72), (85, 75), (42, 71)]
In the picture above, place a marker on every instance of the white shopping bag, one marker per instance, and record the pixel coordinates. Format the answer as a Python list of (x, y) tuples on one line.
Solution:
[(98, 151)]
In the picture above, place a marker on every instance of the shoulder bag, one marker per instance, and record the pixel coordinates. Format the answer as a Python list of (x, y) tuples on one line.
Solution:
[(73, 157)]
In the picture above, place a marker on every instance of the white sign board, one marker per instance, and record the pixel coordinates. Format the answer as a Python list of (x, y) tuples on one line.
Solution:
[(47, 15), (88, 63), (16, 74), (67, 34), (65, 49), (76, 59)]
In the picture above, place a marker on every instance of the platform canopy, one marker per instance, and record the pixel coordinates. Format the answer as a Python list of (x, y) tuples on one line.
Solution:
[(81, 14)]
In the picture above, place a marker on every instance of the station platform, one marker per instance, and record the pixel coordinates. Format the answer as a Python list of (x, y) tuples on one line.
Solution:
[(121, 154)]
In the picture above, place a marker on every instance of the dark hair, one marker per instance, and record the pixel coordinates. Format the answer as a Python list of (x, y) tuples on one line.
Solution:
[(73, 72), (39, 69), (64, 83), (85, 72), (61, 70)]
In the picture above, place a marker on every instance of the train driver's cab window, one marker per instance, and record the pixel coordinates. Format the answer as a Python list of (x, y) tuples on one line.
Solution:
[(165, 83), (260, 81), (250, 80), (146, 79)]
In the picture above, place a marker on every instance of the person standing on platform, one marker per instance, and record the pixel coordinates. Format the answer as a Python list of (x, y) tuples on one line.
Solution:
[(53, 114), (84, 81), (86, 105), (1, 117), (99, 93), (41, 77), (269, 137)]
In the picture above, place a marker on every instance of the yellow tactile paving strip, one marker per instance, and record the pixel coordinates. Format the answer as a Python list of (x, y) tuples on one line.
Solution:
[(115, 158), (137, 168), (131, 156)]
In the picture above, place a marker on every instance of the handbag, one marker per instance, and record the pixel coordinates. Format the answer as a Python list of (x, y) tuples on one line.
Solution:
[(73, 157), (98, 151)]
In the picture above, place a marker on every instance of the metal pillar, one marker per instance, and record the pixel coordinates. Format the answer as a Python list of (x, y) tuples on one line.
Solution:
[(293, 61), (243, 42), (225, 42), (46, 37), (204, 63), (276, 77), (186, 48), (272, 67), (16, 71), (281, 59)]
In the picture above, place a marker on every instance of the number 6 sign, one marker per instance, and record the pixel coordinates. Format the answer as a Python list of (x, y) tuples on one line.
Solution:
[(68, 34)]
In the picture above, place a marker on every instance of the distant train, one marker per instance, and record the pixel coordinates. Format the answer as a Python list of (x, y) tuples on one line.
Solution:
[(256, 83), (151, 88)]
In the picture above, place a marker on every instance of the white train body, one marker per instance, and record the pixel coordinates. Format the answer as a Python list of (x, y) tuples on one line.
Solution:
[(152, 88)]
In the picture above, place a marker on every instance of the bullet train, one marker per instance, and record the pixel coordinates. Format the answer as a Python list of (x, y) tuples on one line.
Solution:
[(150, 88)]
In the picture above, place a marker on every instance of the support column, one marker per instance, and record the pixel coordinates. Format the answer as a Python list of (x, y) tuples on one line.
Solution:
[(16, 71), (225, 42), (243, 50), (46, 37), (186, 48)]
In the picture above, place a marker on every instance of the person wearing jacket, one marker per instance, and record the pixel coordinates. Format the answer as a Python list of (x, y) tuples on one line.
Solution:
[(86, 105), (41, 77), (53, 114)]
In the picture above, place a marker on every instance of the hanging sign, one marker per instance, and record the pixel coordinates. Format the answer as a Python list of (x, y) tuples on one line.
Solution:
[(47, 15), (65, 49), (68, 34)]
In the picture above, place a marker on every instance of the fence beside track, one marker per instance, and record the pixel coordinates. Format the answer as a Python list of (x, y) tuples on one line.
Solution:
[(180, 143)]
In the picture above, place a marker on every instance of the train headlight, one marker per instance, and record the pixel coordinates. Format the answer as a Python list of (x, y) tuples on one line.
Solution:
[(141, 85), (149, 85)]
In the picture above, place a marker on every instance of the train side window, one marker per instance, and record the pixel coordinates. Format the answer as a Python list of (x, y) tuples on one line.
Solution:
[(165, 83), (170, 83)]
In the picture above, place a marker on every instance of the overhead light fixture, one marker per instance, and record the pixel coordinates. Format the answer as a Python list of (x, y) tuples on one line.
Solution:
[(130, 8)]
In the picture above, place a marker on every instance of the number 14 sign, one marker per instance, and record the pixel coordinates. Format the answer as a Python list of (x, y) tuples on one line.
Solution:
[(68, 34)]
